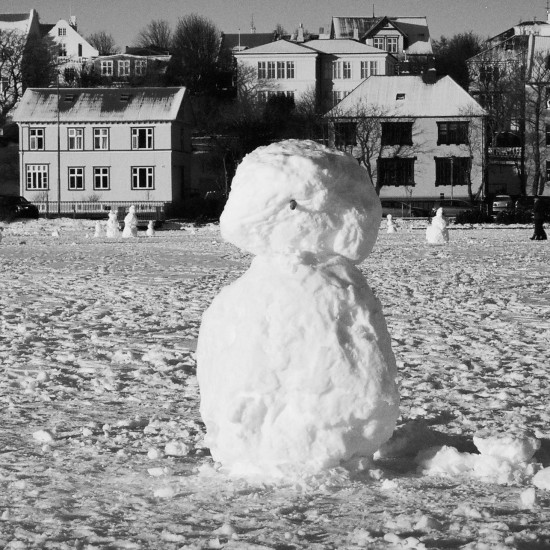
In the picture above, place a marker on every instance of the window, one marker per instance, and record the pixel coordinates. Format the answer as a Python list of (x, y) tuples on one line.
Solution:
[(106, 68), (124, 67), (449, 133), (76, 178), (101, 139), (142, 138), (548, 134), (76, 139), (399, 97), (280, 69), (61, 31), (378, 42), (37, 176), (271, 69), (141, 67), (452, 171), (346, 69), (262, 69), (392, 44), (397, 133), (142, 177), (548, 170), (396, 171), (345, 133), (101, 177), (369, 68), (290, 69), (36, 139), (337, 96), (62, 50)]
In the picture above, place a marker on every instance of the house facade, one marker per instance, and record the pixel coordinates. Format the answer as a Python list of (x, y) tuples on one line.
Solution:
[(71, 50), (106, 146), (419, 137), (329, 69)]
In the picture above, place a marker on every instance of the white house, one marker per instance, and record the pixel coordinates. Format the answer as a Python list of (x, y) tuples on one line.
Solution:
[(328, 68), (72, 49), (87, 149), (420, 136)]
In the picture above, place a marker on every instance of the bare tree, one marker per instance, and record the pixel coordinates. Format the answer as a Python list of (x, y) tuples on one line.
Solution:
[(196, 48), (12, 46), (157, 34), (103, 42)]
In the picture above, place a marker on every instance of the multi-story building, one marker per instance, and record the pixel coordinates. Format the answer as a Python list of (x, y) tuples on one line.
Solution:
[(419, 137), (328, 69), (88, 149)]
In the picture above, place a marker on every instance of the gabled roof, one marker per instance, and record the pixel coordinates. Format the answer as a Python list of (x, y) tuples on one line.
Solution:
[(245, 41), (100, 105), (278, 47), (445, 98), (45, 28), (415, 29), (146, 51), (25, 23), (343, 46)]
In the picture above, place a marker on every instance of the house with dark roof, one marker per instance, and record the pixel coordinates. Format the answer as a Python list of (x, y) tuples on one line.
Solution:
[(92, 149), (421, 138), (407, 38)]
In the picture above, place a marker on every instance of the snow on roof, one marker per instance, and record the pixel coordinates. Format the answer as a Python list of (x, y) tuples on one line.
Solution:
[(278, 47), (343, 46), (100, 104), (22, 22), (410, 96)]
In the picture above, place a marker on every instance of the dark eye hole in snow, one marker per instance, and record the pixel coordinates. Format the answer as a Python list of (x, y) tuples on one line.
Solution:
[(293, 204)]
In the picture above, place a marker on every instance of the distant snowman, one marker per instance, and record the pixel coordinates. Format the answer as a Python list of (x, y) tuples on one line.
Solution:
[(390, 225), (111, 229), (56, 233), (150, 229), (130, 223), (294, 359), (437, 232), (98, 230)]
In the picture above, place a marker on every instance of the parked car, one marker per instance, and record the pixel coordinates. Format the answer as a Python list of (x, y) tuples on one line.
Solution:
[(399, 209), (13, 206), (502, 203), (453, 207)]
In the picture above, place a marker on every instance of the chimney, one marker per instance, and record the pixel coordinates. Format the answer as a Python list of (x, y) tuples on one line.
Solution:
[(356, 34), (72, 22), (300, 37), (429, 76)]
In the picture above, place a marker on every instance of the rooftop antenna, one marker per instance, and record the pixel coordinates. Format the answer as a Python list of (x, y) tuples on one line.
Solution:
[(252, 27), (373, 10)]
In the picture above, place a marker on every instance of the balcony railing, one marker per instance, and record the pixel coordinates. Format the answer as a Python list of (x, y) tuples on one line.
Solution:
[(97, 209), (506, 153)]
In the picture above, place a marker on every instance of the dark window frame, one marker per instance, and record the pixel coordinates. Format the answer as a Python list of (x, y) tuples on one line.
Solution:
[(396, 171), (74, 177), (397, 133), (345, 134), (461, 168), (134, 171), (452, 132)]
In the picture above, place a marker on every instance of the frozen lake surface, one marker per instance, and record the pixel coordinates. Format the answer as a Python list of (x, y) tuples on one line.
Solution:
[(101, 442)]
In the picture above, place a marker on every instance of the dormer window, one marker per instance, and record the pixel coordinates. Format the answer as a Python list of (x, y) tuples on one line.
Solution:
[(400, 97)]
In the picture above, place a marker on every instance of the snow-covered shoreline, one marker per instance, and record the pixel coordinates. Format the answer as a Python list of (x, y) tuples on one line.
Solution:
[(101, 441)]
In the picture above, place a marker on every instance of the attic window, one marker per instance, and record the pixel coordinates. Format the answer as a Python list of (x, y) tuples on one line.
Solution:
[(125, 97), (400, 97)]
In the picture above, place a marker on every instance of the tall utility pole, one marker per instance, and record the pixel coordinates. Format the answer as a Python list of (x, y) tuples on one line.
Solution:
[(58, 152)]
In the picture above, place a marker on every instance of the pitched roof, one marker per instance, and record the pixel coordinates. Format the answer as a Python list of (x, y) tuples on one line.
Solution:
[(100, 104), (445, 98), (279, 47), (245, 41), (343, 46), (13, 17)]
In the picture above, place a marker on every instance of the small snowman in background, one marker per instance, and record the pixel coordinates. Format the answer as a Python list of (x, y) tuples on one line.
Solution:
[(98, 233), (111, 229), (437, 232), (130, 223), (294, 359), (150, 229), (390, 225), (56, 233)]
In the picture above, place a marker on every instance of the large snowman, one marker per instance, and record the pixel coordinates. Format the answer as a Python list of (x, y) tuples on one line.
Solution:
[(294, 359)]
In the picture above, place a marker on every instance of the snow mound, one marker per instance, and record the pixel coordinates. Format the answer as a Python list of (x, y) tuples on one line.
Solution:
[(299, 196)]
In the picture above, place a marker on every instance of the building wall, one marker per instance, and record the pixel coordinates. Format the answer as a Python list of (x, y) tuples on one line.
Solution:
[(166, 158), (305, 78)]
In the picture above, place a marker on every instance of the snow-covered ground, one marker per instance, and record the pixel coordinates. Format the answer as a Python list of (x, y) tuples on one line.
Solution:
[(101, 442)]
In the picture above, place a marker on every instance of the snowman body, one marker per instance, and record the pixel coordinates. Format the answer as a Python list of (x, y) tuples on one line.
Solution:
[(150, 229), (111, 229), (437, 232), (130, 223), (390, 225), (98, 230), (294, 359)]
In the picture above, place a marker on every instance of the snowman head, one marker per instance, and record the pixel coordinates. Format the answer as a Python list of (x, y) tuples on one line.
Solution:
[(132, 209), (388, 217), (296, 197), (439, 212)]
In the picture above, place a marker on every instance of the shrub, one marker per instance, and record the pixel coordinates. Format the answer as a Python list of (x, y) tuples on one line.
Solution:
[(472, 216)]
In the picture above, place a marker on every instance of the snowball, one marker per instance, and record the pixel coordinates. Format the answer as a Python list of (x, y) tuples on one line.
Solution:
[(528, 498), (176, 448), (294, 360), (43, 436), (541, 480), (513, 447), (437, 232), (336, 208)]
